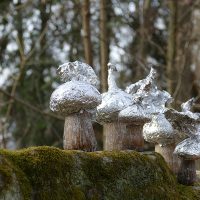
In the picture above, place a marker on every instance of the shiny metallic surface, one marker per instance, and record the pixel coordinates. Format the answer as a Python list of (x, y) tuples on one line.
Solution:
[(74, 96), (113, 101), (134, 114), (147, 100), (187, 109), (182, 122), (149, 80), (159, 130), (78, 71), (189, 148), (146, 93)]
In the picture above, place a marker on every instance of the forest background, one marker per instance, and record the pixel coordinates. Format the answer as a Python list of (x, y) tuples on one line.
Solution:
[(36, 36)]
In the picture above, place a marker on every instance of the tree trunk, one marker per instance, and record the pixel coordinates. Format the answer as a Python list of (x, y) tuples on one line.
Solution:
[(179, 51), (104, 45), (171, 48), (145, 23), (86, 32), (135, 138), (167, 153), (79, 133), (114, 135), (187, 172)]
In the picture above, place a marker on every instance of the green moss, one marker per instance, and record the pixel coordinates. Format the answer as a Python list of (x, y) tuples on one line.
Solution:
[(50, 173)]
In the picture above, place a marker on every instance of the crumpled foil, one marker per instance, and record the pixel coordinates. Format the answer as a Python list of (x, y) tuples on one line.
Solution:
[(148, 95), (74, 96), (187, 109), (134, 114), (182, 123), (159, 130), (78, 71), (112, 101), (148, 81), (189, 148)]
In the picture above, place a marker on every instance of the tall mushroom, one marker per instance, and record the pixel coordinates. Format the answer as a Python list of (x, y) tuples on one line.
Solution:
[(107, 113), (160, 132), (73, 99), (189, 151), (147, 100), (186, 123)]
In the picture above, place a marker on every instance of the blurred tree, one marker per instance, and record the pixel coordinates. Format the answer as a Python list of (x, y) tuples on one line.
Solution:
[(104, 43), (86, 32)]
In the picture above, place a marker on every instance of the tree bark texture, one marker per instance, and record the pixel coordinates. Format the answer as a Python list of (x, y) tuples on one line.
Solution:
[(86, 32), (79, 133)]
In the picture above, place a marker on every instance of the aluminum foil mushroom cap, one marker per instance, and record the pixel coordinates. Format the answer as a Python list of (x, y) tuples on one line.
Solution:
[(187, 109), (182, 123), (113, 101), (159, 130), (74, 96), (134, 114), (147, 82), (78, 71), (189, 148), (150, 97)]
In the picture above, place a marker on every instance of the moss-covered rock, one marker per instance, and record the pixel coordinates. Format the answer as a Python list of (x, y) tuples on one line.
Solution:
[(51, 173)]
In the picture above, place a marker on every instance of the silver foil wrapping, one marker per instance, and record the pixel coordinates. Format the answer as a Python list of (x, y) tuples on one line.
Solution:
[(134, 114), (189, 148), (187, 109), (113, 101), (148, 95), (149, 80), (78, 71), (159, 130), (74, 96), (182, 123)]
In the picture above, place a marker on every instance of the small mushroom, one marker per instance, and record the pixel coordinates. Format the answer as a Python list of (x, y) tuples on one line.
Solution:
[(73, 100), (113, 101), (161, 132), (134, 117), (189, 151)]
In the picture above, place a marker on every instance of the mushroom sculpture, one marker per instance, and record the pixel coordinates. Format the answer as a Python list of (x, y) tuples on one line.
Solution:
[(134, 117), (186, 123), (113, 102), (147, 100), (188, 151), (160, 132), (73, 100)]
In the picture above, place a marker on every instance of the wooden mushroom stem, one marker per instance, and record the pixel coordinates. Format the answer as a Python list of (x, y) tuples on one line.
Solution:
[(114, 134), (79, 133), (187, 172), (135, 138), (167, 152)]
